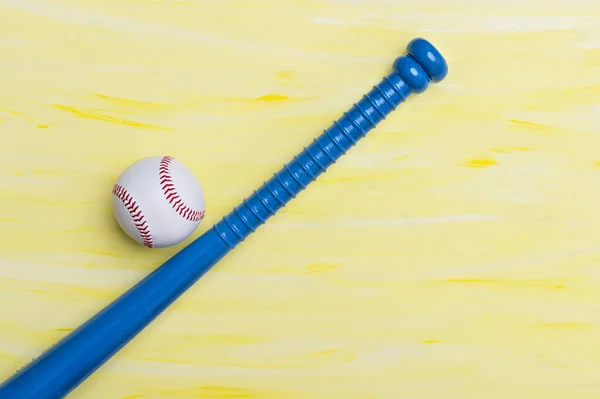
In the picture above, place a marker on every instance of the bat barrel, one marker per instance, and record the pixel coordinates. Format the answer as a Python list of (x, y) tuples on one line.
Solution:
[(65, 365)]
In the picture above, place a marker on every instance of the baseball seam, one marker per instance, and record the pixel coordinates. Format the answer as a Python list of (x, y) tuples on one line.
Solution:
[(136, 214), (171, 194)]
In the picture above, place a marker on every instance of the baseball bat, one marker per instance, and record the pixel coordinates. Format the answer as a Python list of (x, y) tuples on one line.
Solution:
[(65, 365)]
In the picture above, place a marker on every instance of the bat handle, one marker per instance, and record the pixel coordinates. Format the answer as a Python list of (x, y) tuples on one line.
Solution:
[(61, 368), (412, 73)]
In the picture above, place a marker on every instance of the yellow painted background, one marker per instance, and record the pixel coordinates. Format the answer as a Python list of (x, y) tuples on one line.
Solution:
[(454, 253)]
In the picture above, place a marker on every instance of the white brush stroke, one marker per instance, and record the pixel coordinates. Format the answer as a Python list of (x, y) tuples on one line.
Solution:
[(388, 222), (121, 24), (430, 22), (70, 276)]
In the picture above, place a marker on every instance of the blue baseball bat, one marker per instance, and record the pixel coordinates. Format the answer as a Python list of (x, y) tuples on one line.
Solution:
[(69, 362)]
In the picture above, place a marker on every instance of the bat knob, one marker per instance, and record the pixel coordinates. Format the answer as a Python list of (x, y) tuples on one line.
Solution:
[(422, 64)]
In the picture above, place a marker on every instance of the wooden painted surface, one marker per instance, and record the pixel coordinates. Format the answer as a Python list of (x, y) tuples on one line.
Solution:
[(454, 253)]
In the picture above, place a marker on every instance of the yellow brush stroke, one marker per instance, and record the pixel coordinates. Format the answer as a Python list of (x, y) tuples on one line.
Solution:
[(47, 292), (325, 352), (72, 291), (531, 125), (46, 172), (272, 97), (509, 150), (382, 175), (285, 74), (536, 283), (267, 98), (12, 112), (279, 270), (321, 267), (567, 324), (480, 162), (106, 118), (103, 253), (224, 389), (138, 104), (216, 392), (229, 339)]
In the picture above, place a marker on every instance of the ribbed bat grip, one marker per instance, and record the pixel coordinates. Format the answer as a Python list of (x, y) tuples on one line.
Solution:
[(412, 73)]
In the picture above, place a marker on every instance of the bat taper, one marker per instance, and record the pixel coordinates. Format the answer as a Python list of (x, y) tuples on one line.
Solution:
[(70, 361)]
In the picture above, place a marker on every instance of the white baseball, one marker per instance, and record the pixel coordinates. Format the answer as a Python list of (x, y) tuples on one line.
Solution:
[(158, 201)]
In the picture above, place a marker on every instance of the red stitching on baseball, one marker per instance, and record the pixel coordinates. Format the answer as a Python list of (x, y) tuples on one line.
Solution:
[(136, 214), (168, 187)]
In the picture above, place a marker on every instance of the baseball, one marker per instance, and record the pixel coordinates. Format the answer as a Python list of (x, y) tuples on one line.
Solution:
[(158, 201)]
